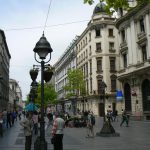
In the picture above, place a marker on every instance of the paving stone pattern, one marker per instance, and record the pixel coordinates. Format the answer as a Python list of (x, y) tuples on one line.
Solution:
[(134, 137)]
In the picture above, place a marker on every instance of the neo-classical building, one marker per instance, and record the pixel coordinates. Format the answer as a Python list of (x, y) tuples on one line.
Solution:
[(4, 71), (98, 57), (15, 95), (67, 61), (95, 52), (134, 69)]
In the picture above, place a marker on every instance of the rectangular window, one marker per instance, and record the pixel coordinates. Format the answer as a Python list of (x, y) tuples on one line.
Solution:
[(99, 86), (111, 45), (125, 60), (89, 36), (142, 27), (144, 53), (123, 35), (87, 84), (113, 85), (90, 51), (112, 64), (98, 47), (110, 32), (91, 85), (98, 32), (99, 65), (90, 66), (86, 69), (86, 53)]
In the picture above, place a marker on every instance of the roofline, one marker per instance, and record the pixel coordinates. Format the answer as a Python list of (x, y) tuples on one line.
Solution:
[(4, 38)]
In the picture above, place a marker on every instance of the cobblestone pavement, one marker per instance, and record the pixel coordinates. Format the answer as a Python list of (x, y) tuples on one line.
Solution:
[(134, 137)]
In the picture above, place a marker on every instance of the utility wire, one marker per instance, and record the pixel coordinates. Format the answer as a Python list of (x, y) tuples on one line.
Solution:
[(47, 14), (38, 27)]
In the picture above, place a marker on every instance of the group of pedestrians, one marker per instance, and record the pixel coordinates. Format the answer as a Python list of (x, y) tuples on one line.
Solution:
[(54, 126), (56, 122), (7, 119)]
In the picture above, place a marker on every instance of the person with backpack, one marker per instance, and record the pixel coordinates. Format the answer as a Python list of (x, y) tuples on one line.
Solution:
[(90, 125)]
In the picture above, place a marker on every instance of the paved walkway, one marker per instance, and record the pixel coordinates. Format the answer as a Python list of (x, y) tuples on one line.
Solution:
[(134, 137)]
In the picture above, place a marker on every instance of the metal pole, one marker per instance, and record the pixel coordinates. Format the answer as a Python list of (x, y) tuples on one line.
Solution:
[(42, 123)]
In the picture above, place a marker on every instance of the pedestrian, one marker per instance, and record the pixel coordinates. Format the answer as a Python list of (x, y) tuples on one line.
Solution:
[(27, 125), (9, 118), (19, 114), (124, 118), (13, 116), (4, 118), (57, 132), (90, 125), (115, 115), (35, 122)]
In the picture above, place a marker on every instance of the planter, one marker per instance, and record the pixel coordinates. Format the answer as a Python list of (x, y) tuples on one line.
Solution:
[(48, 75), (33, 74)]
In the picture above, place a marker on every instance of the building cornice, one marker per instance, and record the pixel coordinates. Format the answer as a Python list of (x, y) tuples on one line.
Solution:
[(131, 13)]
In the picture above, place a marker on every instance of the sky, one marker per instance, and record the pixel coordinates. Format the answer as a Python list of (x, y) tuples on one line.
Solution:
[(23, 23)]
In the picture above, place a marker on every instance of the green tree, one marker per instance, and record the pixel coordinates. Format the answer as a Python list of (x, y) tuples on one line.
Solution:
[(49, 95), (116, 4), (76, 83)]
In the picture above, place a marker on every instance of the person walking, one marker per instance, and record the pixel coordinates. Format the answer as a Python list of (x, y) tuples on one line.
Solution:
[(35, 122), (27, 125), (5, 118), (124, 118), (57, 132), (115, 115), (9, 118), (90, 125)]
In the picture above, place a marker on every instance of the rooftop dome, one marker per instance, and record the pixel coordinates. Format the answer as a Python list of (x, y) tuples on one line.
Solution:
[(99, 8)]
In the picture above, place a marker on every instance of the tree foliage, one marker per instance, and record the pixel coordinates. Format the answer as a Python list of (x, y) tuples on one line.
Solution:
[(116, 4), (49, 95), (76, 83)]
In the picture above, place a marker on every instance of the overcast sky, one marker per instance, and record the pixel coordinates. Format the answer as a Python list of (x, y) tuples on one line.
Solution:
[(67, 18)]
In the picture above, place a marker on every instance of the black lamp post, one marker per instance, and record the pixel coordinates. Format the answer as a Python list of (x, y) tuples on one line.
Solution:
[(107, 129), (33, 91), (42, 48)]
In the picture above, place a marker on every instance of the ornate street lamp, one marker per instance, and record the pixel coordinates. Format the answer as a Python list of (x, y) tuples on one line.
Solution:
[(107, 129), (42, 49)]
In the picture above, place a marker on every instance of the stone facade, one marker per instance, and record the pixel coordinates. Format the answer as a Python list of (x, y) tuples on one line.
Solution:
[(4, 71), (15, 95), (134, 69), (67, 61), (97, 56)]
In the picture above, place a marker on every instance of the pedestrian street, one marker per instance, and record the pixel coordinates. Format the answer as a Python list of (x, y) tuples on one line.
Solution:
[(134, 137)]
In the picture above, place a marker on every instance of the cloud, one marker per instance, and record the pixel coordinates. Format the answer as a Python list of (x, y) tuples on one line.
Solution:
[(16, 14)]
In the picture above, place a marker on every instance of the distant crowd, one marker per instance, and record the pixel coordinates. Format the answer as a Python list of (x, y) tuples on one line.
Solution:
[(8, 118)]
